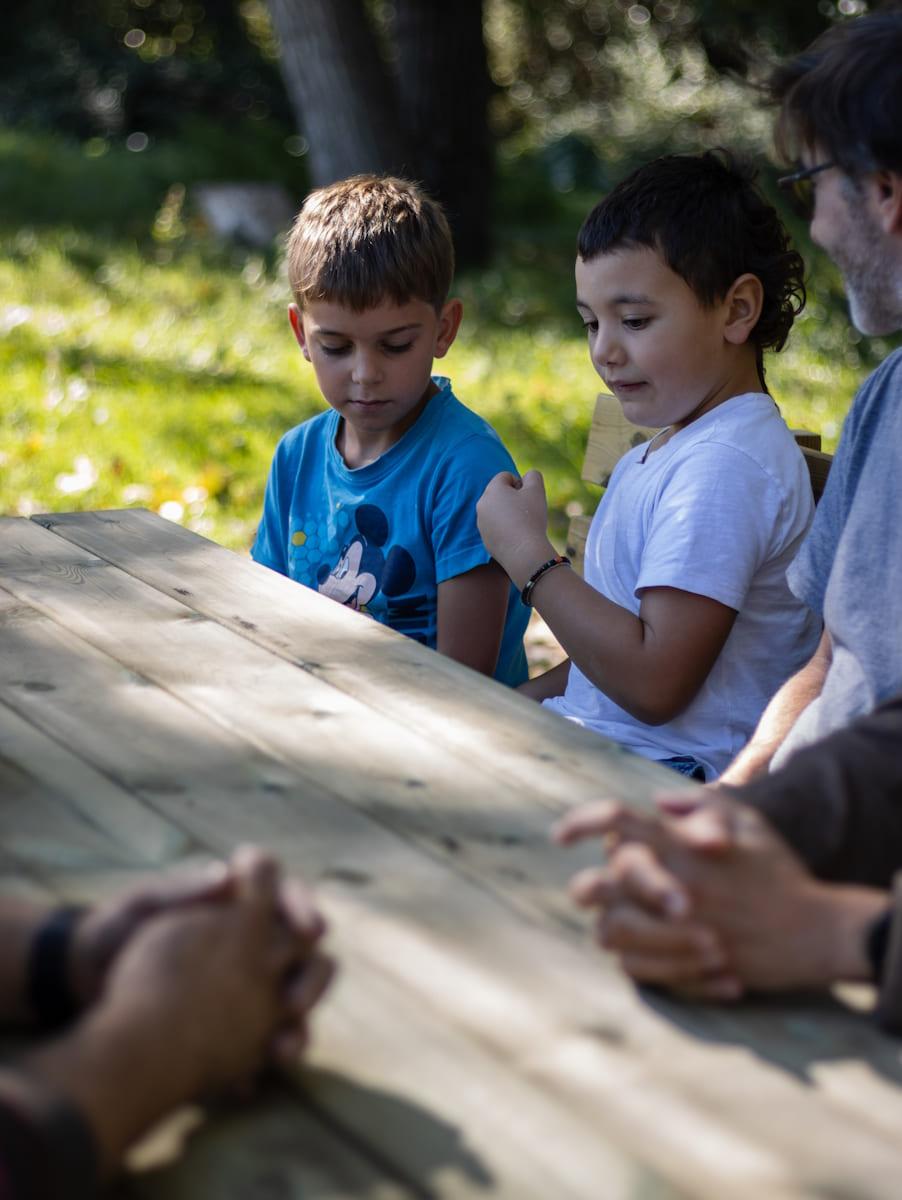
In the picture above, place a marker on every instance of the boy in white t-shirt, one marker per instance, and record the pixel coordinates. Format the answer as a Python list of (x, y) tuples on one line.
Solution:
[(683, 627)]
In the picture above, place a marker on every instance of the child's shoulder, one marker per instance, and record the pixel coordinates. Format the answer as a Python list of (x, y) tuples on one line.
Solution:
[(455, 423), (750, 425)]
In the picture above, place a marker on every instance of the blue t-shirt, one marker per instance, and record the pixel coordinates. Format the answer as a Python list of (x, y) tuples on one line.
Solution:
[(849, 569), (381, 538)]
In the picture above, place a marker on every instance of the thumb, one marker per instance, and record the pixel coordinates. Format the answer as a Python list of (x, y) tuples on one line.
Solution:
[(681, 801), (710, 829), (706, 817), (256, 877), (533, 481)]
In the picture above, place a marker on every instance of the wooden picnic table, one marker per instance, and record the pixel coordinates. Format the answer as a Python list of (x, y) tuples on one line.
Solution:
[(162, 699)]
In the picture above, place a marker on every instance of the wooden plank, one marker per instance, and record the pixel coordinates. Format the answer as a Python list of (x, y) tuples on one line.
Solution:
[(577, 534), (610, 436), (396, 774), (574, 1026), (223, 825), (515, 740), (610, 1049), (465, 924), (518, 1140), (36, 772), (807, 438), (818, 465), (275, 1146), (18, 881)]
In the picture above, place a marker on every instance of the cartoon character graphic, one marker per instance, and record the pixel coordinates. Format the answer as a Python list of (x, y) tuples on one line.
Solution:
[(363, 570)]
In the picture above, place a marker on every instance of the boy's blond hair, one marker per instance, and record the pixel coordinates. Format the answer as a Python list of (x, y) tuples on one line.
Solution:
[(370, 238)]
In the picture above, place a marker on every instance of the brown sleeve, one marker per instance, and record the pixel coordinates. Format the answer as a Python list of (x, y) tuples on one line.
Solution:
[(839, 802), (47, 1151)]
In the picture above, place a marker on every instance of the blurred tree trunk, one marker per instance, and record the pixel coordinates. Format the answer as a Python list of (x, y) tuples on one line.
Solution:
[(424, 116), (443, 91), (340, 90)]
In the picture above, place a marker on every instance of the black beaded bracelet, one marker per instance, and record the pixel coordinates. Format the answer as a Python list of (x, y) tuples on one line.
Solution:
[(559, 560), (49, 990)]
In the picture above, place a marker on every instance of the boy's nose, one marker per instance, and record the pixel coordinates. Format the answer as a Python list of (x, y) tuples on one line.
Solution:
[(365, 369), (606, 351)]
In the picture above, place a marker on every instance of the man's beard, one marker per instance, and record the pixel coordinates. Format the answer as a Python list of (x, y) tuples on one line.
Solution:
[(872, 278)]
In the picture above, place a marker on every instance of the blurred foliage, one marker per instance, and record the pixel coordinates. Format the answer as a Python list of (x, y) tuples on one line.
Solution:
[(564, 67), (144, 363), (108, 68), (102, 185), (159, 370)]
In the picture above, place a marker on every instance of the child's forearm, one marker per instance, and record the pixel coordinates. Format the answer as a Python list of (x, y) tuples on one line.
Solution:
[(550, 683), (651, 664), (604, 640)]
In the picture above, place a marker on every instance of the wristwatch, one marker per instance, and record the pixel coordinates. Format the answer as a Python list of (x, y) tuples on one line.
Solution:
[(877, 943)]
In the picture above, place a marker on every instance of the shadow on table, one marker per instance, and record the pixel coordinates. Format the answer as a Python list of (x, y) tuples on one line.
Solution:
[(797, 1033), (333, 1137)]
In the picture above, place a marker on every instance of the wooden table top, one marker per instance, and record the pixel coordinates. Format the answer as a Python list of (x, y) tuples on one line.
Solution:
[(162, 699)]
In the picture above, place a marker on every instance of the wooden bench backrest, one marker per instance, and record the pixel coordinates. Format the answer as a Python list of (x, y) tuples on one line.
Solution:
[(611, 435)]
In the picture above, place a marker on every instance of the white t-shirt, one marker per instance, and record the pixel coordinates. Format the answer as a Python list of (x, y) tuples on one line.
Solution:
[(719, 510)]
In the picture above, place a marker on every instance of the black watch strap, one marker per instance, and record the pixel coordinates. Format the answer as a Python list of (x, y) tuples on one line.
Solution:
[(50, 995), (877, 943)]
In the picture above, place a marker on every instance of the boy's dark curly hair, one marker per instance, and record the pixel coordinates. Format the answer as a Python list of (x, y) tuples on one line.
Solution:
[(710, 223)]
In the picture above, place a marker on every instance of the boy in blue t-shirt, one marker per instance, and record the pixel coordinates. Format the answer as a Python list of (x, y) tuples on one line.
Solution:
[(374, 501)]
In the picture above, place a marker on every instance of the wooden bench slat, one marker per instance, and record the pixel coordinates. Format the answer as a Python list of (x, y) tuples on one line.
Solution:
[(610, 436), (818, 465)]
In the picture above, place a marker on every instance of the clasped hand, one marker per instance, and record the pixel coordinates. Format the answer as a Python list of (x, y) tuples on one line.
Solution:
[(706, 898)]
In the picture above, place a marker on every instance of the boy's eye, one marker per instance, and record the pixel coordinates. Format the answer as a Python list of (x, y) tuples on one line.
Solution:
[(333, 351), (590, 326), (635, 323), (396, 347)]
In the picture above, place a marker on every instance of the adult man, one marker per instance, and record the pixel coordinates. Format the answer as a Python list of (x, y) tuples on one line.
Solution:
[(841, 112), (185, 988)]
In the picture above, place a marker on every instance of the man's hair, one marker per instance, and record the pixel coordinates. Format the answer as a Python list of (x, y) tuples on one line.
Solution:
[(710, 224), (843, 95), (367, 239)]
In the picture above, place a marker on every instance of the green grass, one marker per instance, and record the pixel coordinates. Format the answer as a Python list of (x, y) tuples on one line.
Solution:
[(161, 371)]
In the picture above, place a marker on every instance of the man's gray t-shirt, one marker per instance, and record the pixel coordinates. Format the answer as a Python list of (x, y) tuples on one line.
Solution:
[(849, 568)]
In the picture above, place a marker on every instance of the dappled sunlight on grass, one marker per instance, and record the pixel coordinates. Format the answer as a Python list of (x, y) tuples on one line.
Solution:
[(164, 376)]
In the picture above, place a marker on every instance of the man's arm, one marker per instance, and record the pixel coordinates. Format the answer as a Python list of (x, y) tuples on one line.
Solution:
[(838, 802), (471, 612), (780, 715)]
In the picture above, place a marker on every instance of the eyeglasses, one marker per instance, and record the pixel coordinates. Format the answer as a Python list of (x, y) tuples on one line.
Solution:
[(801, 188)]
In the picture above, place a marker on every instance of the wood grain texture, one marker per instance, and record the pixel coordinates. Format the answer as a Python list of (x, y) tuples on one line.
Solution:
[(513, 739), (475, 1044), (610, 436)]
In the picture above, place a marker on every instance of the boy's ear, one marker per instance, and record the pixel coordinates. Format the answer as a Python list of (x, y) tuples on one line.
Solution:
[(296, 321), (889, 201), (448, 325), (743, 303)]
